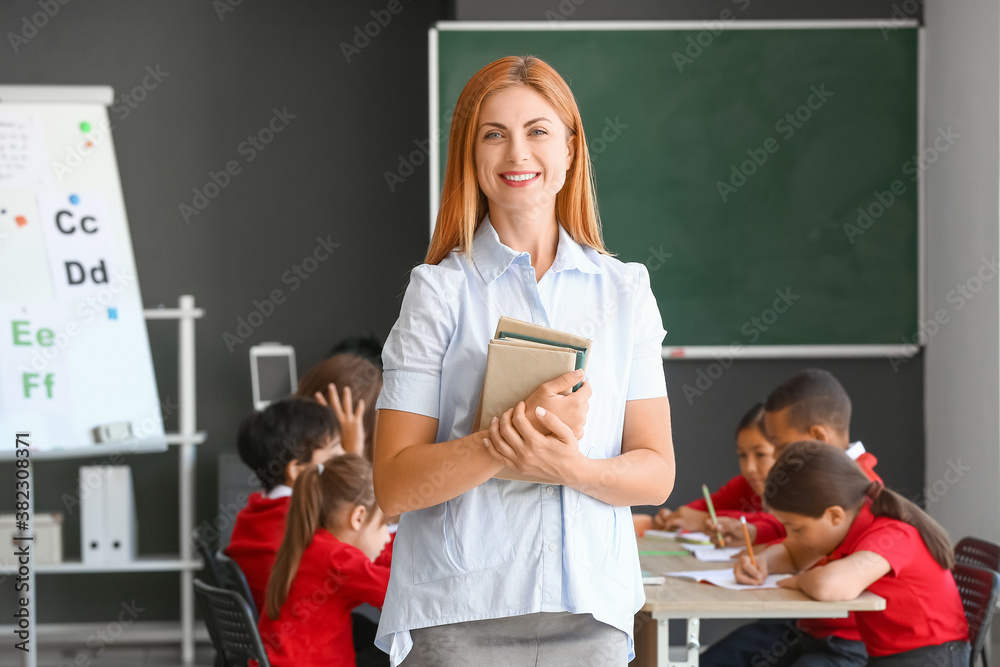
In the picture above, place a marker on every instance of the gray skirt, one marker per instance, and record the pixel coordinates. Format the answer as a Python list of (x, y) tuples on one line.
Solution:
[(544, 639)]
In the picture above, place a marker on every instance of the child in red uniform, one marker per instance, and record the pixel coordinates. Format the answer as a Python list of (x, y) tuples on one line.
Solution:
[(324, 567), (740, 496), (811, 405), (872, 539), (277, 443)]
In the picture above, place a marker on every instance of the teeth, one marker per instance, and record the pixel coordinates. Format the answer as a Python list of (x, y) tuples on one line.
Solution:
[(521, 177)]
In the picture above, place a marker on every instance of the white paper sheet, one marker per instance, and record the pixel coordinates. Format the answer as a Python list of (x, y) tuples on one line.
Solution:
[(726, 579), (712, 555)]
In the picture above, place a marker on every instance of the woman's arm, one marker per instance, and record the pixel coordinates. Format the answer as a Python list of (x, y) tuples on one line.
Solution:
[(642, 475), (411, 471)]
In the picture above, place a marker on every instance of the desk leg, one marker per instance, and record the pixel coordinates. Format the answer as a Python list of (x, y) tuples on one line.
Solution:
[(663, 643)]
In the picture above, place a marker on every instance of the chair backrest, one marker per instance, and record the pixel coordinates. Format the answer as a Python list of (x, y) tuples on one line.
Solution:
[(233, 626), (979, 589), (234, 579), (210, 572), (973, 551)]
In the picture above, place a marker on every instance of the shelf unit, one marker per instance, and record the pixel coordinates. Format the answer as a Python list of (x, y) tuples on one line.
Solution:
[(185, 439)]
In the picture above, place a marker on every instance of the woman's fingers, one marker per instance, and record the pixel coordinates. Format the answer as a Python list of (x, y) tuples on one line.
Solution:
[(321, 399), (552, 422), (496, 442), (508, 432)]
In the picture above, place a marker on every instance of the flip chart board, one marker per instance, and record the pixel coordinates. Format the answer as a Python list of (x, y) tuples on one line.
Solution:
[(74, 351)]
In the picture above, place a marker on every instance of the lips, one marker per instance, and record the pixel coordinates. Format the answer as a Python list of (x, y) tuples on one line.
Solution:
[(519, 179)]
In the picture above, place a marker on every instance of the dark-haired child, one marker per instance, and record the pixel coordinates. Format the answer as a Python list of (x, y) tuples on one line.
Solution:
[(324, 567), (872, 539), (740, 496), (810, 405), (813, 405), (277, 443)]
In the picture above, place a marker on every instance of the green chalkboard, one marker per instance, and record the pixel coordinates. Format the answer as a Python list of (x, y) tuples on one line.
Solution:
[(732, 203)]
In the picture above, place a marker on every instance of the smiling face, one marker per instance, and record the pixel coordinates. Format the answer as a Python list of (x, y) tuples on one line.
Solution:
[(522, 150), (756, 456)]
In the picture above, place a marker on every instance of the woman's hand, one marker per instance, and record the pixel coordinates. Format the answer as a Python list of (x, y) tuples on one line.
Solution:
[(517, 443), (731, 529), (748, 573), (351, 418), (557, 396)]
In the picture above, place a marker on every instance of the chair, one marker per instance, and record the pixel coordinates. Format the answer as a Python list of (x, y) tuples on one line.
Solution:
[(979, 589), (233, 627), (973, 551), (212, 575), (234, 580)]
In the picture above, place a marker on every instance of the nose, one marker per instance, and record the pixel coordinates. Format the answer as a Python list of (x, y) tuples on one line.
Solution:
[(517, 149)]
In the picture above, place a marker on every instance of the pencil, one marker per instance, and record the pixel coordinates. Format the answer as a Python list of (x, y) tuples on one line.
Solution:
[(746, 534), (711, 513)]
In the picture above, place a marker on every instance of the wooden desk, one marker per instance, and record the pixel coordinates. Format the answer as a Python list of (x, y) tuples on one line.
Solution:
[(683, 598)]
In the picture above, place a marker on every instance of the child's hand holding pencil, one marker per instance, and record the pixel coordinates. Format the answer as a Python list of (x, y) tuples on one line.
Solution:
[(731, 529)]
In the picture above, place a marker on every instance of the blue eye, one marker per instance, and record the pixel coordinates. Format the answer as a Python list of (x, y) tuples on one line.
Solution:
[(490, 134), (538, 129)]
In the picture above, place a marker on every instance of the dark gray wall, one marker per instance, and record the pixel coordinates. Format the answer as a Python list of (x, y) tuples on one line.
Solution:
[(323, 175)]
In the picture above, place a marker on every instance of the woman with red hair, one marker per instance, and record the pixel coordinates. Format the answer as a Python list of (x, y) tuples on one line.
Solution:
[(489, 570)]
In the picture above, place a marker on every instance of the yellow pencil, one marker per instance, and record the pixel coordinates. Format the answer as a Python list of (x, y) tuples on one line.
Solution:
[(746, 534)]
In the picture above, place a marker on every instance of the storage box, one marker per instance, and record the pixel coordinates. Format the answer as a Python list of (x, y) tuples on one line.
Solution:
[(46, 547)]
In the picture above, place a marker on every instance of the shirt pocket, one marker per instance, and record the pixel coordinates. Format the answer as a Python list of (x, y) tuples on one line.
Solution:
[(460, 536), (598, 543)]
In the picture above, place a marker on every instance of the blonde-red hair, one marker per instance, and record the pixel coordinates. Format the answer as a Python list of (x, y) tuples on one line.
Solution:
[(463, 204)]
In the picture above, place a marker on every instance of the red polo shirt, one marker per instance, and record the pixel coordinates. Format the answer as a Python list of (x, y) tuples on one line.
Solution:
[(845, 628), (259, 529), (257, 535), (922, 605), (737, 498), (314, 626)]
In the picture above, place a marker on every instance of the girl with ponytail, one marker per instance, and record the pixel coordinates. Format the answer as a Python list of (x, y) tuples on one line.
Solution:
[(324, 567), (871, 539)]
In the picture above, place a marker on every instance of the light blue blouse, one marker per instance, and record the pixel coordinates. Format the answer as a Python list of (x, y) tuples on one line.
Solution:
[(507, 548)]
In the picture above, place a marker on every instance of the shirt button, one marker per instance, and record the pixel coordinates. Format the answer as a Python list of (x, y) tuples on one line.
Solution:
[(549, 490), (552, 546)]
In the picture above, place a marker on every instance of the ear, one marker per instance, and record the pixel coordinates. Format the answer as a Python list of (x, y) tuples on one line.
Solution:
[(835, 515), (821, 433), (570, 149), (356, 519), (292, 470)]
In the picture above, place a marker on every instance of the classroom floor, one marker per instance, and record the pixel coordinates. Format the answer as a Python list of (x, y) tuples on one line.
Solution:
[(169, 656)]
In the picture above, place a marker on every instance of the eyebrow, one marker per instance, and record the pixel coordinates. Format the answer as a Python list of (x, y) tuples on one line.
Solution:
[(504, 127)]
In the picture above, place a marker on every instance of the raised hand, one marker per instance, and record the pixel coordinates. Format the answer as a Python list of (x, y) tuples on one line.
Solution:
[(350, 416)]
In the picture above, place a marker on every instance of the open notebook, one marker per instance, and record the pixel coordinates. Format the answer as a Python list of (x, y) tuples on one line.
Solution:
[(726, 579), (521, 357)]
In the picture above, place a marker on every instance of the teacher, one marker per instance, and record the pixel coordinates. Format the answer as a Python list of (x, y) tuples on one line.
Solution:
[(490, 571)]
